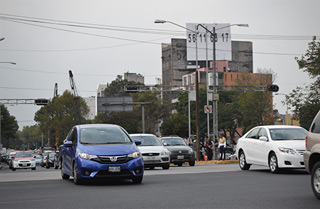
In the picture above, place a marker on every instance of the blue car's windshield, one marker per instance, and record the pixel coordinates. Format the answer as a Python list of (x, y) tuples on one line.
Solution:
[(288, 133), (148, 140), (105, 135)]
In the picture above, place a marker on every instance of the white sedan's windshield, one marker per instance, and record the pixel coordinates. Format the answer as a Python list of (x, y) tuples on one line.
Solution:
[(288, 133), (147, 140), (108, 135)]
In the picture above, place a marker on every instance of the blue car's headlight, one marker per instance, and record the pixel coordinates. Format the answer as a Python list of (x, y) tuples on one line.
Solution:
[(134, 155), (87, 156)]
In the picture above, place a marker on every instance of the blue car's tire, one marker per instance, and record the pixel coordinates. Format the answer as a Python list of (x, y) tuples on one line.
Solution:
[(76, 178), (137, 179)]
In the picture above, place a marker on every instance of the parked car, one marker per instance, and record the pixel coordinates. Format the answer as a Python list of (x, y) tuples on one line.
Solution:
[(180, 152), (23, 159), (50, 160), (153, 152), (276, 146), (37, 158), (10, 159), (101, 151), (312, 154)]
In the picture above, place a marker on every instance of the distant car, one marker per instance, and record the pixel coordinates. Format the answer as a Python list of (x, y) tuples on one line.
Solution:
[(312, 154), (23, 159), (10, 159), (180, 152), (57, 162), (101, 151), (50, 160), (44, 159), (153, 152), (37, 158), (276, 146)]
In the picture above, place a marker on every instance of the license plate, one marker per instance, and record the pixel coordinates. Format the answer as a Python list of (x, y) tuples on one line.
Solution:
[(149, 158), (114, 169), (180, 157)]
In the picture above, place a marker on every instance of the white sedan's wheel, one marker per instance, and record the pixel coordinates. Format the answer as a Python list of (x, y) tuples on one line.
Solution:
[(242, 162), (273, 163)]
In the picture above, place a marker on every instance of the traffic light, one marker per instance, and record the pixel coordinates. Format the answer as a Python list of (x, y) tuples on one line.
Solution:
[(41, 101), (273, 88)]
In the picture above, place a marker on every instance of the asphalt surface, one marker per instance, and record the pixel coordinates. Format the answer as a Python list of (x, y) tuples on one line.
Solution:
[(201, 186)]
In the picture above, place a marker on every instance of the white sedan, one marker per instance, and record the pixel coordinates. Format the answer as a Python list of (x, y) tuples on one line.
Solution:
[(153, 151), (276, 146)]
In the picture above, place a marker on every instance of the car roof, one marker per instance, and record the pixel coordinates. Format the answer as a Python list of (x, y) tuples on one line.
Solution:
[(23, 151), (96, 125), (279, 126), (142, 135)]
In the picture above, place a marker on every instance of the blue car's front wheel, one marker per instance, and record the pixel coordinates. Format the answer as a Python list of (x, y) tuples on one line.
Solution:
[(137, 179), (76, 178)]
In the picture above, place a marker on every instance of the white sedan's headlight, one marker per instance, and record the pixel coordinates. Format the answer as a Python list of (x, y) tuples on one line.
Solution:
[(165, 152), (87, 156), (134, 155), (287, 150)]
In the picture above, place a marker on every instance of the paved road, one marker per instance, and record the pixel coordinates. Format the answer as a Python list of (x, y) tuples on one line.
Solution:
[(202, 186)]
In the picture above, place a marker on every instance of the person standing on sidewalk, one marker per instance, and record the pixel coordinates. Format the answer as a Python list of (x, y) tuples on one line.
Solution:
[(209, 148), (222, 146)]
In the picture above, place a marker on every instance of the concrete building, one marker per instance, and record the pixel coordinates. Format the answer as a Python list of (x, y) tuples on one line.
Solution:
[(134, 77), (175, 64)]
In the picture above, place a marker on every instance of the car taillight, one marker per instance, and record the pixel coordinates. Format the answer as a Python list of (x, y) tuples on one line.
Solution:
[(306, 141)]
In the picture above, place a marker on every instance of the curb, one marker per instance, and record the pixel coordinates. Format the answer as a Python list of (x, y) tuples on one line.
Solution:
[(217, 162)]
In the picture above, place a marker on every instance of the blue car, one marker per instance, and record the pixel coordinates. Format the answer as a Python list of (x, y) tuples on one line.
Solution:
[(101, 151)]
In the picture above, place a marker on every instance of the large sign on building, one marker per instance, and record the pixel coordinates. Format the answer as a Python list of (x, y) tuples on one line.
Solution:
[(204, 45)]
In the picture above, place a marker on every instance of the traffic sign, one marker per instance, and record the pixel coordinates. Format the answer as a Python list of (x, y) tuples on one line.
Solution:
[(208, 109)]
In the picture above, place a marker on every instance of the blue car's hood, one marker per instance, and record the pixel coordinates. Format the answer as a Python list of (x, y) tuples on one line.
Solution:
[(108, 149)]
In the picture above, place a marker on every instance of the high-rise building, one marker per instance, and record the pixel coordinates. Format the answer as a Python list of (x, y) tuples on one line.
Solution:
[(175, 64)]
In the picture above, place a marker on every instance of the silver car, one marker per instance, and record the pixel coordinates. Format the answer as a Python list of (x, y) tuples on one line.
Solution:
[(153, 152)]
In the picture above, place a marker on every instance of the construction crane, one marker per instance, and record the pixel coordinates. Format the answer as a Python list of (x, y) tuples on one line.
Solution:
[(55, 91), (76, 98), (72, 84)]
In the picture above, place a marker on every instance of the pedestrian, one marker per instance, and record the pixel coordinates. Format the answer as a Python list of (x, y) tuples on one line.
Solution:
[(209, 147), (202, 152), (222, 146)]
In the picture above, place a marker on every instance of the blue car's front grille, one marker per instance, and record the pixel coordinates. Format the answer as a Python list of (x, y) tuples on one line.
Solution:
[(122, 173), (105, 159)]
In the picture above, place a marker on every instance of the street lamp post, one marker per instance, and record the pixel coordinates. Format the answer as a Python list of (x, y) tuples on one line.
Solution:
[(197, 89), (215, 102), (287, 114)]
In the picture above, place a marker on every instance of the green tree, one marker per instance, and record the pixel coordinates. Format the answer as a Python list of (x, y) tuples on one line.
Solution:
[(58, 117), (31, 135), (132, 121), (9, 127), (306, 101)]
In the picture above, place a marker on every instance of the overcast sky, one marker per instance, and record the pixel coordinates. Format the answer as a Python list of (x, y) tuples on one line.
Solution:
[(130, 41)]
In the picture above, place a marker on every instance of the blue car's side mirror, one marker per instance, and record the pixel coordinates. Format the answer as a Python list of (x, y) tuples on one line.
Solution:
[(68, 144), (137, 142)]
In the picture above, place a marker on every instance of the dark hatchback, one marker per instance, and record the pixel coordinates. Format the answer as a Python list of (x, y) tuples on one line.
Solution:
[(180, 151)]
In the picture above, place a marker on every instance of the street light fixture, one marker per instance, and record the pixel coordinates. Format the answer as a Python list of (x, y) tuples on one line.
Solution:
[(12, 63)]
